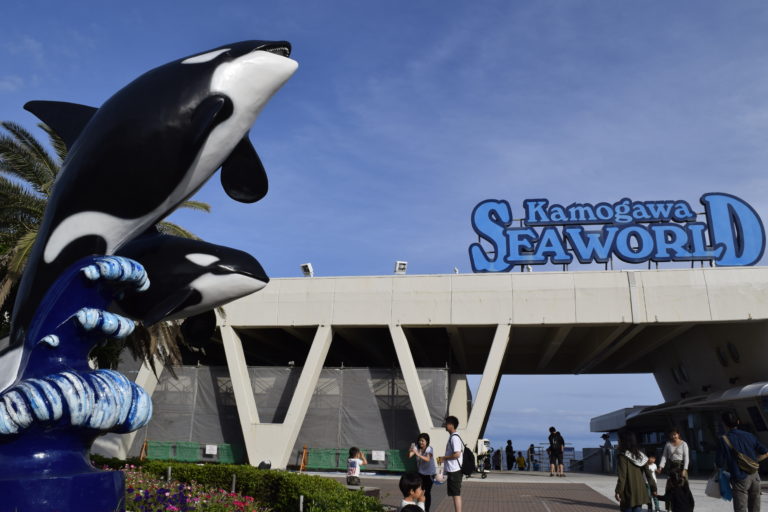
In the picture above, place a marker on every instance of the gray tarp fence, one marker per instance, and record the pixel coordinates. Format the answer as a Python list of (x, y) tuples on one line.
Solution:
[(365, 407)]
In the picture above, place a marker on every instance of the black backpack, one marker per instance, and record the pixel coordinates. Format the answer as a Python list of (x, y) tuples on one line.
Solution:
[(467, 464)]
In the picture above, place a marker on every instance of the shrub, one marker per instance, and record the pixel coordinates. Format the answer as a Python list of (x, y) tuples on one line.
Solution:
[(102, 462)]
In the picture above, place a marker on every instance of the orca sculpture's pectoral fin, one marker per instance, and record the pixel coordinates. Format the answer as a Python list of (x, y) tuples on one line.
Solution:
[(167, 306), (66, 119), (242, 174), (199, 329)]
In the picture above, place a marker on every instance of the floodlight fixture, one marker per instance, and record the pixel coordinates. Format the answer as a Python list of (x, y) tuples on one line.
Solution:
[(307, 270), (401, 267)]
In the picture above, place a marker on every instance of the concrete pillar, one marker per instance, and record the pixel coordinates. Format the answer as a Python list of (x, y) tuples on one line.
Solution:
[(488, 385), (459, 398), (415, 391), (273, 441)]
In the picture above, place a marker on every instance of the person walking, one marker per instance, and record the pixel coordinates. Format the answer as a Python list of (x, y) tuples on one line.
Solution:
[(425, 464), (556, 451), (633, 472), (452, 459), (509, 452), (745, 480)]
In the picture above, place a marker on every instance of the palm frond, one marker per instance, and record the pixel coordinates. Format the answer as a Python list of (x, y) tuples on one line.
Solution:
[(20, 253), (160, 341), (59, 146), (195, 205), (22, 155), (169, 228)]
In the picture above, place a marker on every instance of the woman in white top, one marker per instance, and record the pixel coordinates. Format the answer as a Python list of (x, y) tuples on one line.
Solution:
[(676, 456), (425, 463), (675, 453)]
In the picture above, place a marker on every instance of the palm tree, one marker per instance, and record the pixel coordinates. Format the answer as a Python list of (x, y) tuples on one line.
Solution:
[(27, 174)]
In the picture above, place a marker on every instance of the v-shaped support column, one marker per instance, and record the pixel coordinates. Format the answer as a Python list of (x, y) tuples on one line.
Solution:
[(415, 392), (488, 385), (273, 441), (485, 394)]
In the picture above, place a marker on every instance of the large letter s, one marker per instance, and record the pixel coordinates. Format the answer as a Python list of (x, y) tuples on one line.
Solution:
[(489, 220)]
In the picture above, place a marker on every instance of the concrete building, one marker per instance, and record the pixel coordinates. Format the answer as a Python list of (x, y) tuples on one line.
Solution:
[(702, 332)]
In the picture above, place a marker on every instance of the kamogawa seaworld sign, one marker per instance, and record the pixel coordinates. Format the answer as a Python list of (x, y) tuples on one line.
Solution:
[(633, 231)]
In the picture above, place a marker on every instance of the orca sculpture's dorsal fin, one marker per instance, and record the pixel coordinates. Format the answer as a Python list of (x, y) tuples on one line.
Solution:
[(242, 174), (66, 119)]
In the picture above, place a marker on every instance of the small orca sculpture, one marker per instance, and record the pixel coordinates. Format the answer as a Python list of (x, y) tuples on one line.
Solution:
[(188, 277), (145, 150)]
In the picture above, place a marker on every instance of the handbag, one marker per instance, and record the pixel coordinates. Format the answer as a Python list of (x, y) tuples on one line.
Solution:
[(746, 463), (713, 486)]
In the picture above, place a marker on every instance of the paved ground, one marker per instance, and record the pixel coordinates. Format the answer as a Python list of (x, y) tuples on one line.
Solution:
[(535, 492)]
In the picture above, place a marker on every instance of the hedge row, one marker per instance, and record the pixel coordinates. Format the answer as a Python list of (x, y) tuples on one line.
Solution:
[(280, 490)]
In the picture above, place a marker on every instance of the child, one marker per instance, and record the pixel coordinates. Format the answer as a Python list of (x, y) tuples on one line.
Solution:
[(355, 460), (678, 494), (413, 494), (520, 461), (654, 505)]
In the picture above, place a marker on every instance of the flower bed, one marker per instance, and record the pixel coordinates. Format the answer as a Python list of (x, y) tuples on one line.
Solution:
[(145, 493), (257, 490)]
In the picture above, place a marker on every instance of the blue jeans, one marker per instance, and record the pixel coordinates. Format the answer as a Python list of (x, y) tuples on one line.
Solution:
[(638, 508)]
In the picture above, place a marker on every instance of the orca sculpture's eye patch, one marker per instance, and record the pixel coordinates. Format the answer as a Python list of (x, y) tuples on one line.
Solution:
[(204, 57), (202, 260)]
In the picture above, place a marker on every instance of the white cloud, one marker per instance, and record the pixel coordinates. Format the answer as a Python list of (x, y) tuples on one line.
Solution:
[(10, 83), (26, 46)]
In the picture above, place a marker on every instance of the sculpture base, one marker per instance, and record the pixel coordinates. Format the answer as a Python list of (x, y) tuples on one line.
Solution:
[(102, 491)]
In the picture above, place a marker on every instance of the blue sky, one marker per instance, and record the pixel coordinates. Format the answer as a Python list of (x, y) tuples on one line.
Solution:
[(404, 115)]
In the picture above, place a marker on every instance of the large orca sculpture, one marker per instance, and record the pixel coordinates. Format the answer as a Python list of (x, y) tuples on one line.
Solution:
[(145, 150)]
